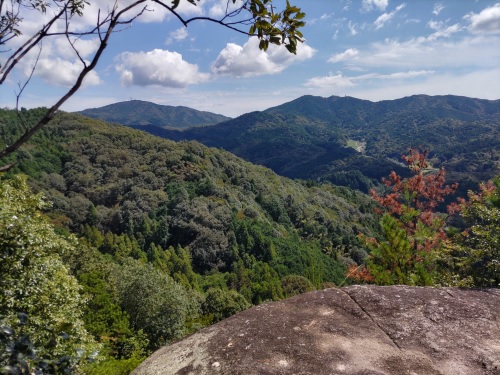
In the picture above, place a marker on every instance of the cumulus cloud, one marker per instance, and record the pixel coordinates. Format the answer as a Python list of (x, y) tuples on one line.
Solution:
[(380, 4), (386, 17), (486, 22), (248, 60), (96, 9), (158, 67), (177, 35), (62, 72), (346, 55)]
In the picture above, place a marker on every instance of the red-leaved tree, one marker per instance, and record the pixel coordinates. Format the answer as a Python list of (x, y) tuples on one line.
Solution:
[(412, 229)]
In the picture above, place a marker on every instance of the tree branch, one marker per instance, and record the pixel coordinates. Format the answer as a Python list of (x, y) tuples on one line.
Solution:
[(26, 47), (49, 115), (269, 27), (222, 22)]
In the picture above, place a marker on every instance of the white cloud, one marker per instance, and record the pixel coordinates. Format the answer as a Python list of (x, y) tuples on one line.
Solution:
[(398, 75), (480, 84), (248, 60), (438, 7), (187, 9), (435, 25), (386, 17), (85, 47), (352, 28), (346, 55), (62, 72), (380, 4), (154, 12), (339, 80), (221, 7), (432, 52), (158, 67), (486, 22), (177, 35), (323, 17), (330, 81), (444, 32)]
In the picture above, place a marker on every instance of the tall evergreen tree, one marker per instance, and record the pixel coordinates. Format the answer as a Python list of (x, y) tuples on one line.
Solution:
[(412, 231)]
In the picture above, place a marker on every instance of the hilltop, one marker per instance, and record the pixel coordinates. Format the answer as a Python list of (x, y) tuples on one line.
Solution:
[(142, 113)]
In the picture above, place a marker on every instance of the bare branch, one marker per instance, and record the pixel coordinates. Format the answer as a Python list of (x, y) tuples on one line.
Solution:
[(7, 167), (26, 47), (113, 21), (72, 43), (172, 10), (271, 28), (21, 88), (222, 22)]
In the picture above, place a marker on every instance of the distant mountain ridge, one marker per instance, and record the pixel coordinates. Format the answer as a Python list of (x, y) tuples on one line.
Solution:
[(340, 108), (290, 145), (353, 142), (142, 113)]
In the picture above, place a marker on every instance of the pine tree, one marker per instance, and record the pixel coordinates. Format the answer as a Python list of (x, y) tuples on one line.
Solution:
[(412, 230)]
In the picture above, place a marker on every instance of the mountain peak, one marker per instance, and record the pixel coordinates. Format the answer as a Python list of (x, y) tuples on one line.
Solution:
[(140, 113)]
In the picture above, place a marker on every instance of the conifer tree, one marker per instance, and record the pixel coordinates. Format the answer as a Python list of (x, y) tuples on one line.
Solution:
[(412, 230)]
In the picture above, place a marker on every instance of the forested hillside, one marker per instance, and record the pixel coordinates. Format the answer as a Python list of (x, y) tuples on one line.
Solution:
[(462, 134), (174, 236), (353, 142), (144, 240), (140, 113)]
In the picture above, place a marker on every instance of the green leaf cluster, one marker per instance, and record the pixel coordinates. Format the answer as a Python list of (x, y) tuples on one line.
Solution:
[(33, 278), (276, 28), (473, 257)]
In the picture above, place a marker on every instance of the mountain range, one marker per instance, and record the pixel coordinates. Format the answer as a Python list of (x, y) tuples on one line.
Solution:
[(350, 141), (140, 113), (168, 237)]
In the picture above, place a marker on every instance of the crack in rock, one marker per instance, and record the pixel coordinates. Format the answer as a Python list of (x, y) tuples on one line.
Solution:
[(371, 318)]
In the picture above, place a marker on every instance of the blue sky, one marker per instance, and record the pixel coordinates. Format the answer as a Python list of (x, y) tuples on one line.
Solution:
[(369, 49)]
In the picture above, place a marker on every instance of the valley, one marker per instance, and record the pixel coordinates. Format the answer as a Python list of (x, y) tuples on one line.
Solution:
[(170, 235), (313, 138)]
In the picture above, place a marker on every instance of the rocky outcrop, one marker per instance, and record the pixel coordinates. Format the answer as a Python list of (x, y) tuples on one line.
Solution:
[(363, 330)]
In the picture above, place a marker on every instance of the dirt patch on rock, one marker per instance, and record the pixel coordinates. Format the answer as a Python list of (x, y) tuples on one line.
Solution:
[(362, 330)]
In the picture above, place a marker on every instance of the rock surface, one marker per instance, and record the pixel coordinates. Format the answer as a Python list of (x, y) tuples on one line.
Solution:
[(362, 330)]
